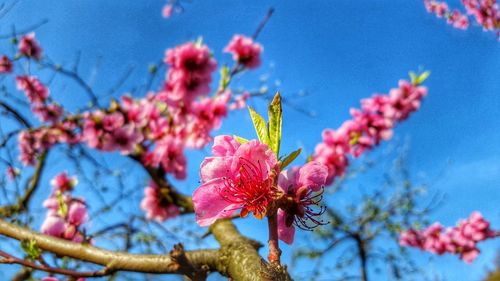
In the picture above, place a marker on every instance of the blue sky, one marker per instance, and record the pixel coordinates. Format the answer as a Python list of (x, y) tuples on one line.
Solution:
[(338, 51)]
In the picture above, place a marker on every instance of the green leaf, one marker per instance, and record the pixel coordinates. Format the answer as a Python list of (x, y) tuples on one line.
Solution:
[(224, 77), (419, 79), (260, 126), (31, 249), (275, 123), (289, 159), (240, 139), (422, 77)]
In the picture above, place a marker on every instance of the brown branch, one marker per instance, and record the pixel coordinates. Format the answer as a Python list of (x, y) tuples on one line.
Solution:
[(23, 274), (273, 242), (21, 119), (22, 203), (360, 243), (263, 23), (113, 261), (10, 259), (243, 262)]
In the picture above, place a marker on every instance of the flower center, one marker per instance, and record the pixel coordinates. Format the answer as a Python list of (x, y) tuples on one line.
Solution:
[(248, 188)]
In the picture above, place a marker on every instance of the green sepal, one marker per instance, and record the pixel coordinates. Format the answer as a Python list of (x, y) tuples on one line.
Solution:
[(240, 139), (289, 159)]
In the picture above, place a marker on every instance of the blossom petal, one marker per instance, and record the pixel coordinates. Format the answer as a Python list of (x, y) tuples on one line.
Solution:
[(258, 154), (215, 167), (286, 179), (312, 175), (285, 233), (209, 205), (225, 145)]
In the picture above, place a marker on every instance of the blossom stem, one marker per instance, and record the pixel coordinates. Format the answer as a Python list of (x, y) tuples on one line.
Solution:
[(273, 244)]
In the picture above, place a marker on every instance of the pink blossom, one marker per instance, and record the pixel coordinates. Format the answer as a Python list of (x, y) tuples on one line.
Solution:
[(438, 8), (332, 152), (124, 139), (112, 121), (5, 65), (47, 112), (300, 187), (62, 182), (156, 207), (65, 214), (245, 51), (458, 20), (64, 217), (53, 225), (35, 91), (241, 180), (31, 143), (224, 145), (240, 101), (29, 47), (411, 238), (50, 278), (12, 173), (167, 10), (77, 213), (190, 73), (168, 153)]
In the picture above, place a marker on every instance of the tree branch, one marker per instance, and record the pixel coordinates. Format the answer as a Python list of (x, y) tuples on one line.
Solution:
[(22, 202), (113, 261), (243, 262)]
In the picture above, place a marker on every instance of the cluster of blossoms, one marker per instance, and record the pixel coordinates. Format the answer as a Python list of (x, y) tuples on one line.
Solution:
[(159, 126), (65, 213), (38, 95), (155, 129), (36, 92), (440, 9), (247, 177), (33, 142), (370, 124), (461, 239), (156, 205), (485, 12)]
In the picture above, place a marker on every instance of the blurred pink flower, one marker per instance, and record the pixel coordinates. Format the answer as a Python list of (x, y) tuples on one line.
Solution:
[(245, 51), (29, 47)]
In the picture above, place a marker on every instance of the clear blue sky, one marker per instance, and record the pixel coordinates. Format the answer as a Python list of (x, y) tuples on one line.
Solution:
[(339, 51)]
